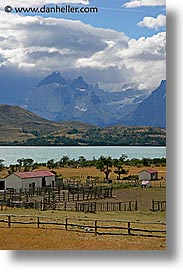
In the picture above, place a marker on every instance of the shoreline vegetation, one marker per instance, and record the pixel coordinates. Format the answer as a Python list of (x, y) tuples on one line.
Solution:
[(102, 167)]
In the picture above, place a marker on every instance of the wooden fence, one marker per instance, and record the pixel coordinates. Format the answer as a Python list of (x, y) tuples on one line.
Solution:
[(107, 206), (76, 193), (111, 227), (136, 183), (73, 206), (158, 205)]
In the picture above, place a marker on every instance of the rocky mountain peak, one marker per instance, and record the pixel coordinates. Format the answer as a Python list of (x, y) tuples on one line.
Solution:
[(79, 83), (54, 77), (75, 100)]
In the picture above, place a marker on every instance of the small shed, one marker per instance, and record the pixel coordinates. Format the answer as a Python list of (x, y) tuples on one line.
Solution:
[(149, 174), (27, 180)]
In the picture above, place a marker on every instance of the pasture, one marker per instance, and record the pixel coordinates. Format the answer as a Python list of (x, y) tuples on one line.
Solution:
[(50, 238)]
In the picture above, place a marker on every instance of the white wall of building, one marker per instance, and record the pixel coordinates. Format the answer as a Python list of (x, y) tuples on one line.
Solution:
[(17, 183), (12, 181), (144, 175)]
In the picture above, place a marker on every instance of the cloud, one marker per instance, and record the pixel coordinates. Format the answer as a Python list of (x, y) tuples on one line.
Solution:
[(153, 23), (30, 3), (38, 45), (142, 3), (142, 63)]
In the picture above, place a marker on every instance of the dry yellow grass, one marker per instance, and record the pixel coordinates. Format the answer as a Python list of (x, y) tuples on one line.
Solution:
[(29, 237), (50, 239), (83, 172), (93, 172)]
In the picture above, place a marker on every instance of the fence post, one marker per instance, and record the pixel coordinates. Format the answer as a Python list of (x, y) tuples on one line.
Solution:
[(38, 222), (130, 206), (136, 207), (9, 221), (66, 223), (129, 228), (95, 227), (152, 205), (119, 206), (4, 196)]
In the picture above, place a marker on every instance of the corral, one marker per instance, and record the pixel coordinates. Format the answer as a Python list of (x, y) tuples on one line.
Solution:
[(121, 215)]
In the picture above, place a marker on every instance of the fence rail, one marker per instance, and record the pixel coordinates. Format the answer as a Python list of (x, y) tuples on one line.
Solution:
[(73, 206), (111, 227), (57, 194)]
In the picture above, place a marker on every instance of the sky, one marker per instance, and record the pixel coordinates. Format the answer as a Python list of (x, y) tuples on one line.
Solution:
[(122, 46)]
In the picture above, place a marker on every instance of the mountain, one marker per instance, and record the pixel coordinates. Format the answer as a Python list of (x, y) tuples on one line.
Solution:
[(21, 127), (59, 99), (151, 111), (19, 124)]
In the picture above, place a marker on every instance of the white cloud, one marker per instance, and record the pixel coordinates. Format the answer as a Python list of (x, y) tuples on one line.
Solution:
[(141, 3), (41, 45), (153, 23), (30, 3)]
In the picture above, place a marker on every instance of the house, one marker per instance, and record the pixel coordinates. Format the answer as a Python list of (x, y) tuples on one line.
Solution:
[(26, 180), (149, 174)]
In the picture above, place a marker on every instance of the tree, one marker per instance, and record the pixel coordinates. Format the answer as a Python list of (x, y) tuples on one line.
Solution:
[(1, 164), (20, 163), (64, 161), (145, 162), (82, 161), (12, 169), (118, 164), (51, 164), (104, 164), (28, 163)]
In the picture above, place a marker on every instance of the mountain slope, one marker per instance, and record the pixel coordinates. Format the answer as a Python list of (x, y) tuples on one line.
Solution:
[(152, 111), (21, 127)]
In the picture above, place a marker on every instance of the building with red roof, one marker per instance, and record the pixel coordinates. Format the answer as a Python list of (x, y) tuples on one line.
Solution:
[(27, 180), (148, 174)]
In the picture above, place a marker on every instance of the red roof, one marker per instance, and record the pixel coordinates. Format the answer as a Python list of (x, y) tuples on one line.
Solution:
[(34, 174), (150, 171)]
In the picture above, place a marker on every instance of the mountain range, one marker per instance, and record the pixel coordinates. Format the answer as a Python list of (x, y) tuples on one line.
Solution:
[(59, 99)]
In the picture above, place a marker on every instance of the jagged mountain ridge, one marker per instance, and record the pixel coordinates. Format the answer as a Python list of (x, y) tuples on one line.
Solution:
[(152, 111), (59, 99)]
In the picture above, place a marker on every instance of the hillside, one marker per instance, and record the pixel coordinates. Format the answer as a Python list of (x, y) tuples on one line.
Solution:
[(21, 127)]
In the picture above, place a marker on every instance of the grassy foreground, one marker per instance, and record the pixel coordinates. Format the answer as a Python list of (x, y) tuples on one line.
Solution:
[(50, 239), (26, 238)]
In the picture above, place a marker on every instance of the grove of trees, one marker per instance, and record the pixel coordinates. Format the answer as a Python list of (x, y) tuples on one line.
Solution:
[(105, 164)]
